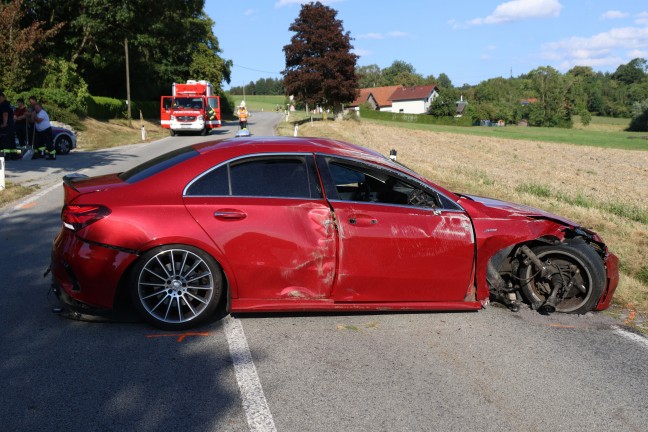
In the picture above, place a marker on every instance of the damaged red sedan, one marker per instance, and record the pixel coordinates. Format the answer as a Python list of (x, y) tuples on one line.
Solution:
[(310, 224)]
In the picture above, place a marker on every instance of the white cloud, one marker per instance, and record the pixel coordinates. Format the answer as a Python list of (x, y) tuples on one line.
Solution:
[(397, 34), (614, 14), (376, 36), (642, 18), (249, 12), (370, 36), (604, 49), (517, 10), (361, 52)]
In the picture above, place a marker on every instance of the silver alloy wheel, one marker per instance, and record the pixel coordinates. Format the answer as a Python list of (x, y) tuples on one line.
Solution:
[(175, 286)]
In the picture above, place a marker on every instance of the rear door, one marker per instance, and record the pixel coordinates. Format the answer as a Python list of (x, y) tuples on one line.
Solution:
[(165, 111), (268, 217), (398, 239), (213, 112)]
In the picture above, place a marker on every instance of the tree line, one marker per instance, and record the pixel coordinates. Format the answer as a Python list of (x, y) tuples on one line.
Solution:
[(80, 46)]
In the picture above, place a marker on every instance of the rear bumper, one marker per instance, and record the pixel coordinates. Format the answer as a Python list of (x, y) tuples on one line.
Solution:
[(87, 275)]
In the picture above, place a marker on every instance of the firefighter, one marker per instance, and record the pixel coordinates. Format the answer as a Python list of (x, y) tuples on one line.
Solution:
[(242, 114)]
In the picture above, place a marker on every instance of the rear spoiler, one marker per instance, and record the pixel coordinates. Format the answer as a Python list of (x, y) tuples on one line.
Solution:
[(69, 191), (70, 178)]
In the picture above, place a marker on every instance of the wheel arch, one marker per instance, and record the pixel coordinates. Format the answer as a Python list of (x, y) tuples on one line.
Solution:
[(122, 298)]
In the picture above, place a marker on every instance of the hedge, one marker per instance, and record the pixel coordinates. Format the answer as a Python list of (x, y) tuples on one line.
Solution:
[(415, 118)]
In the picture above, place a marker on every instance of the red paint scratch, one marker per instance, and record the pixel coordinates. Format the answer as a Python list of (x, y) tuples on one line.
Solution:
[(180, 336)]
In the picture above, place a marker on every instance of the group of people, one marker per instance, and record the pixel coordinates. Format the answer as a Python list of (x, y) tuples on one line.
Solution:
[(30, 125)]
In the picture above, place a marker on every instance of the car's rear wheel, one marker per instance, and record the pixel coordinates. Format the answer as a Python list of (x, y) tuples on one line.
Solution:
[(63, 144), (172, 132), (175, 287), (581, 272)]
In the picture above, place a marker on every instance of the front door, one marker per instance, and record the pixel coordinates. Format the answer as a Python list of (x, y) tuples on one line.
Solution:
[(165, 111), (399, 241)]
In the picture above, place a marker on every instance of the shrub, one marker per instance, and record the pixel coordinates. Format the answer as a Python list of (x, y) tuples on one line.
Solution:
[(639, 122), (105, 108)]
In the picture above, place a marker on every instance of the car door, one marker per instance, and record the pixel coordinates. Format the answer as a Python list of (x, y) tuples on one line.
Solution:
[(399, 240), (268, 217), (165, 111)]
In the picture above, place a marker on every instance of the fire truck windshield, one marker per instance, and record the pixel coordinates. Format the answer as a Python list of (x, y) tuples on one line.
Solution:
[(191, 103)]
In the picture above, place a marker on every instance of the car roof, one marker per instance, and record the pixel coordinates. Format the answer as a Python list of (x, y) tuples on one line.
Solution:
[(289, 144)]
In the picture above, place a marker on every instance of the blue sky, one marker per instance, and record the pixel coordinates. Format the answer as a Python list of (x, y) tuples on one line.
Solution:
[(469, 40)]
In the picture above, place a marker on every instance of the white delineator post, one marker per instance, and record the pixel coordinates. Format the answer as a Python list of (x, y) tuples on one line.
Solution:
[(2, 174)]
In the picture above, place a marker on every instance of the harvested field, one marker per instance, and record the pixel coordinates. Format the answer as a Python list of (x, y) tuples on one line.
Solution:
[(604, 189)]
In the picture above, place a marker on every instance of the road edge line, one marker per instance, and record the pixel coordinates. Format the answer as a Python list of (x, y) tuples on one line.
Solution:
[(631, 336), (255, 405)]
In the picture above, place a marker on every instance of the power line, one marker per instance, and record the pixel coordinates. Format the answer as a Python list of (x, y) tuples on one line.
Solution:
[(256, 70)]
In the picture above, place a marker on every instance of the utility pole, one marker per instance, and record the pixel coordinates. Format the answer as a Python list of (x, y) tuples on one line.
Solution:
[(128, 99)]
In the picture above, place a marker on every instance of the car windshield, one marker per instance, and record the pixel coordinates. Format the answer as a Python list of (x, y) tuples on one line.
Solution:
[(158, 164), (186, 102)]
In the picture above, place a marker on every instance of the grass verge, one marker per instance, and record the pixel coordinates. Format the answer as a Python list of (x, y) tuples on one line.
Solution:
[(14, 192)]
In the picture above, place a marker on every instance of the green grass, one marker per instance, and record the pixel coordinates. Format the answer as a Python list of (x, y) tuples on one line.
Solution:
[(260, 103), (594, 138), (632, 213)]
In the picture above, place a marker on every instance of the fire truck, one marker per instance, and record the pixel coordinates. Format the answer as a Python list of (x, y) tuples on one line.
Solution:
[(191, 108)]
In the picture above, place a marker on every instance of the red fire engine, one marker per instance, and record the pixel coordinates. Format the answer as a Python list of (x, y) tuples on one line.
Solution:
[(192, 107)]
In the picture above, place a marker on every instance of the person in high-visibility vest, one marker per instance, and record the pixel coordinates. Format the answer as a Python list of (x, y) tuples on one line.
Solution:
[(242, 114)]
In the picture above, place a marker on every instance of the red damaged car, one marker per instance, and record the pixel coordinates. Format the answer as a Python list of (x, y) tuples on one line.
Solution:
[(310, 224)]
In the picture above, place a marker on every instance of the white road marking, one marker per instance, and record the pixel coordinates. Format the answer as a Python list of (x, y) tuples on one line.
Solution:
[(631, 336), (36, 196), (255, 405)]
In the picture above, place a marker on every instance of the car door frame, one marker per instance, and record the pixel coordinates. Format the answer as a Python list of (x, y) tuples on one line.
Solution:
[(450, 221)]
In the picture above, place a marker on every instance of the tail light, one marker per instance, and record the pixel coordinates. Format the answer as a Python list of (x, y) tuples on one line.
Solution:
[(75, 217)]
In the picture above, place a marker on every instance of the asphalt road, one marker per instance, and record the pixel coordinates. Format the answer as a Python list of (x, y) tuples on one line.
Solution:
[(490, 370)]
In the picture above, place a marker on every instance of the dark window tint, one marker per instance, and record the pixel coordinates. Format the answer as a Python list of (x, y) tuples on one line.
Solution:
[(280, 177), (211, 184), (271, 178), (158, 164)]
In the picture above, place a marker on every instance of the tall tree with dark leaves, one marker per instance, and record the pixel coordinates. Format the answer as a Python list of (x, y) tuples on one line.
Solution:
[(320, 67)]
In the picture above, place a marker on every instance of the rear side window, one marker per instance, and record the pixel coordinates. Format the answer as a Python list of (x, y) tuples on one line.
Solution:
[(279, 177), (157, 165)]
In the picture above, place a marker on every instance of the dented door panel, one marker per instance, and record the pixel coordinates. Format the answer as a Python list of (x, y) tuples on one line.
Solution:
[(399, 253)]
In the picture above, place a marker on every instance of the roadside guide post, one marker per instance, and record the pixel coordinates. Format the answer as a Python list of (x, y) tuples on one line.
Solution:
[(2, 175)]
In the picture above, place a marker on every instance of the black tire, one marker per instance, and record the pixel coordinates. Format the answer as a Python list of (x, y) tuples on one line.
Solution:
[(591, 276), (203, 132), (172, 132), (176, 287), (63, 144)]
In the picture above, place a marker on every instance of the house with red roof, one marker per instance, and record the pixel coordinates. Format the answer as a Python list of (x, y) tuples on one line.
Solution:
[(379, 98), (413, 99)]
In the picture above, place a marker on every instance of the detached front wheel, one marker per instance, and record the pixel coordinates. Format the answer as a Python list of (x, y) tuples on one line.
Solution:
[(581, 274), (176, 287)]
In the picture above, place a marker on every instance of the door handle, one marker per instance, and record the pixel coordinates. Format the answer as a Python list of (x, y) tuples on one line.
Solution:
[(362, 220), (229, 214)]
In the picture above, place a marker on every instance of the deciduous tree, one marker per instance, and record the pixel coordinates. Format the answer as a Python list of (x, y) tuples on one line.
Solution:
[(320, 67)]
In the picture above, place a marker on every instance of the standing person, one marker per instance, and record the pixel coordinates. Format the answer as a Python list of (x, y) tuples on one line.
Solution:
[(20, 119), (43, 143), (7, 138), (242, 114)]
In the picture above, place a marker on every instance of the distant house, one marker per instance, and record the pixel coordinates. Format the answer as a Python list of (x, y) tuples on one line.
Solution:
[(413, 100), (460, 107), (379, 98)]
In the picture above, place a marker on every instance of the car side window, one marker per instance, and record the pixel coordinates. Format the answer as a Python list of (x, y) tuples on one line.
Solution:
[(279, 177), (364, 184)]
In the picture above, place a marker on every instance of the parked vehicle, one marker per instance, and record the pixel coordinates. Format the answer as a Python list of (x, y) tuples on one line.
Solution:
[(309, 224), (64, 139), (191, 108)]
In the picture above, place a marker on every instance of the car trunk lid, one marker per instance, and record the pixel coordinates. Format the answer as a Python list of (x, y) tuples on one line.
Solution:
[(77, 184)]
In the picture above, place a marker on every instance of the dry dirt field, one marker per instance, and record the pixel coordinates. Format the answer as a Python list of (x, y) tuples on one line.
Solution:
[(592, 186)]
